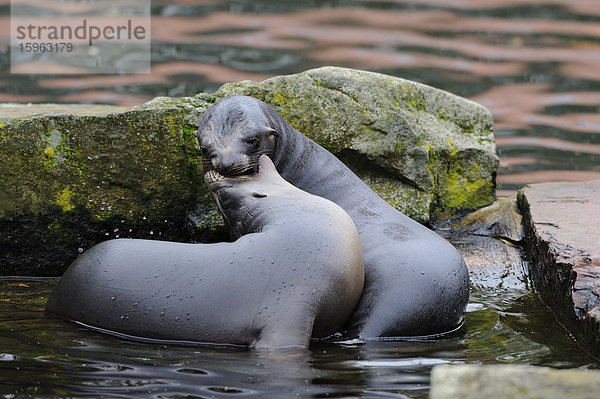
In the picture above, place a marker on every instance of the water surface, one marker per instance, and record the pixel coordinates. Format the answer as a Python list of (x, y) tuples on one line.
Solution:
[(46, 357)]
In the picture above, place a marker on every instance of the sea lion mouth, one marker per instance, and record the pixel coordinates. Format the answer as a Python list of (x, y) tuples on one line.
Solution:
[(240, 170)]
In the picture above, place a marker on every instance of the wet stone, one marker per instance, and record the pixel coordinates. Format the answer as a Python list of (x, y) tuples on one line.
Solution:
[(512, 381), (490, 242), (562, 226)]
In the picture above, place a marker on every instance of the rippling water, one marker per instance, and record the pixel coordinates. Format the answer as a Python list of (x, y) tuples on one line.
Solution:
[(534, 63), (45, 357)]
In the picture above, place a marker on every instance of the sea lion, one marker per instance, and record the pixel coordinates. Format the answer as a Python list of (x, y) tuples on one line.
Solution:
[(295, 271), (416, 282)]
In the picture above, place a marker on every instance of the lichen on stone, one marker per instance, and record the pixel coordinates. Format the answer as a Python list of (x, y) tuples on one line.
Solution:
[(73, 175)]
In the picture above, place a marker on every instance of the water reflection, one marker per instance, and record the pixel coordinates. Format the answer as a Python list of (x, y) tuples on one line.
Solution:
[(45, 357)]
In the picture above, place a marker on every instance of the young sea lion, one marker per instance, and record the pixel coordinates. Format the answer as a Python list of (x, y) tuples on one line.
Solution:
[(296, 271)]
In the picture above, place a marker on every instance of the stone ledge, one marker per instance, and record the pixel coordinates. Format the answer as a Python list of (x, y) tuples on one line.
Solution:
[(510, 382), (562, 227)]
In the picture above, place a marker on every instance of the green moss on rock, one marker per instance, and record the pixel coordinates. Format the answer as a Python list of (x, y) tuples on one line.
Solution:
[(403, 130), (74, 175), (69, 180)]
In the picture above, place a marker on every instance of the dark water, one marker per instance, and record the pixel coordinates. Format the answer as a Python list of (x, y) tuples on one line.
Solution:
[(46, 357), (534, 63)]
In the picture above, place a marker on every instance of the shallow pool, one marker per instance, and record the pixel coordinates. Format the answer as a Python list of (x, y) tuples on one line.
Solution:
[(45, 357)]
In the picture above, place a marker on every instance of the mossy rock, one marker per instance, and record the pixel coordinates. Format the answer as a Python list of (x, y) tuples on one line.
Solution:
[(74, 175), (426, 151)]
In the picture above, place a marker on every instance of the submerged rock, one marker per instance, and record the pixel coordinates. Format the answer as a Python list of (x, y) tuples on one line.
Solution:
[(74, 175), (512, 381), (562, 226), (490, 242)]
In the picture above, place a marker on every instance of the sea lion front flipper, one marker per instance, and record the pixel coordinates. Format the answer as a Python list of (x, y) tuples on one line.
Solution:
[(286, 329)]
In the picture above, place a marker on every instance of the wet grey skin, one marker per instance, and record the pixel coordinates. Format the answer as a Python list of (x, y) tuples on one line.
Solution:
[(294, 272), (416, 283)]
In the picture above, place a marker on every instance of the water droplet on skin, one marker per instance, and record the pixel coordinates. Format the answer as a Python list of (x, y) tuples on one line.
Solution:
[(80, 250), (162, 313), (113, 298)]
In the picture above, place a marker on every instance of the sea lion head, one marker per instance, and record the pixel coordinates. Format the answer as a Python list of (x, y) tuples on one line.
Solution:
[(247, 201), (233, 133)]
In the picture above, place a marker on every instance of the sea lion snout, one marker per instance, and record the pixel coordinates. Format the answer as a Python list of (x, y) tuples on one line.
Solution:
[(232, 163)]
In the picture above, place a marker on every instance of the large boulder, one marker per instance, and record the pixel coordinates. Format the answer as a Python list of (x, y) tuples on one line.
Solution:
[(74, 175), (426, 151), (562, 226)]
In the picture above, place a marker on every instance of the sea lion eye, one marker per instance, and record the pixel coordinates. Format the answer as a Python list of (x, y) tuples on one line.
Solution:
[(204, 147), (252, 141), (272, 132)]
